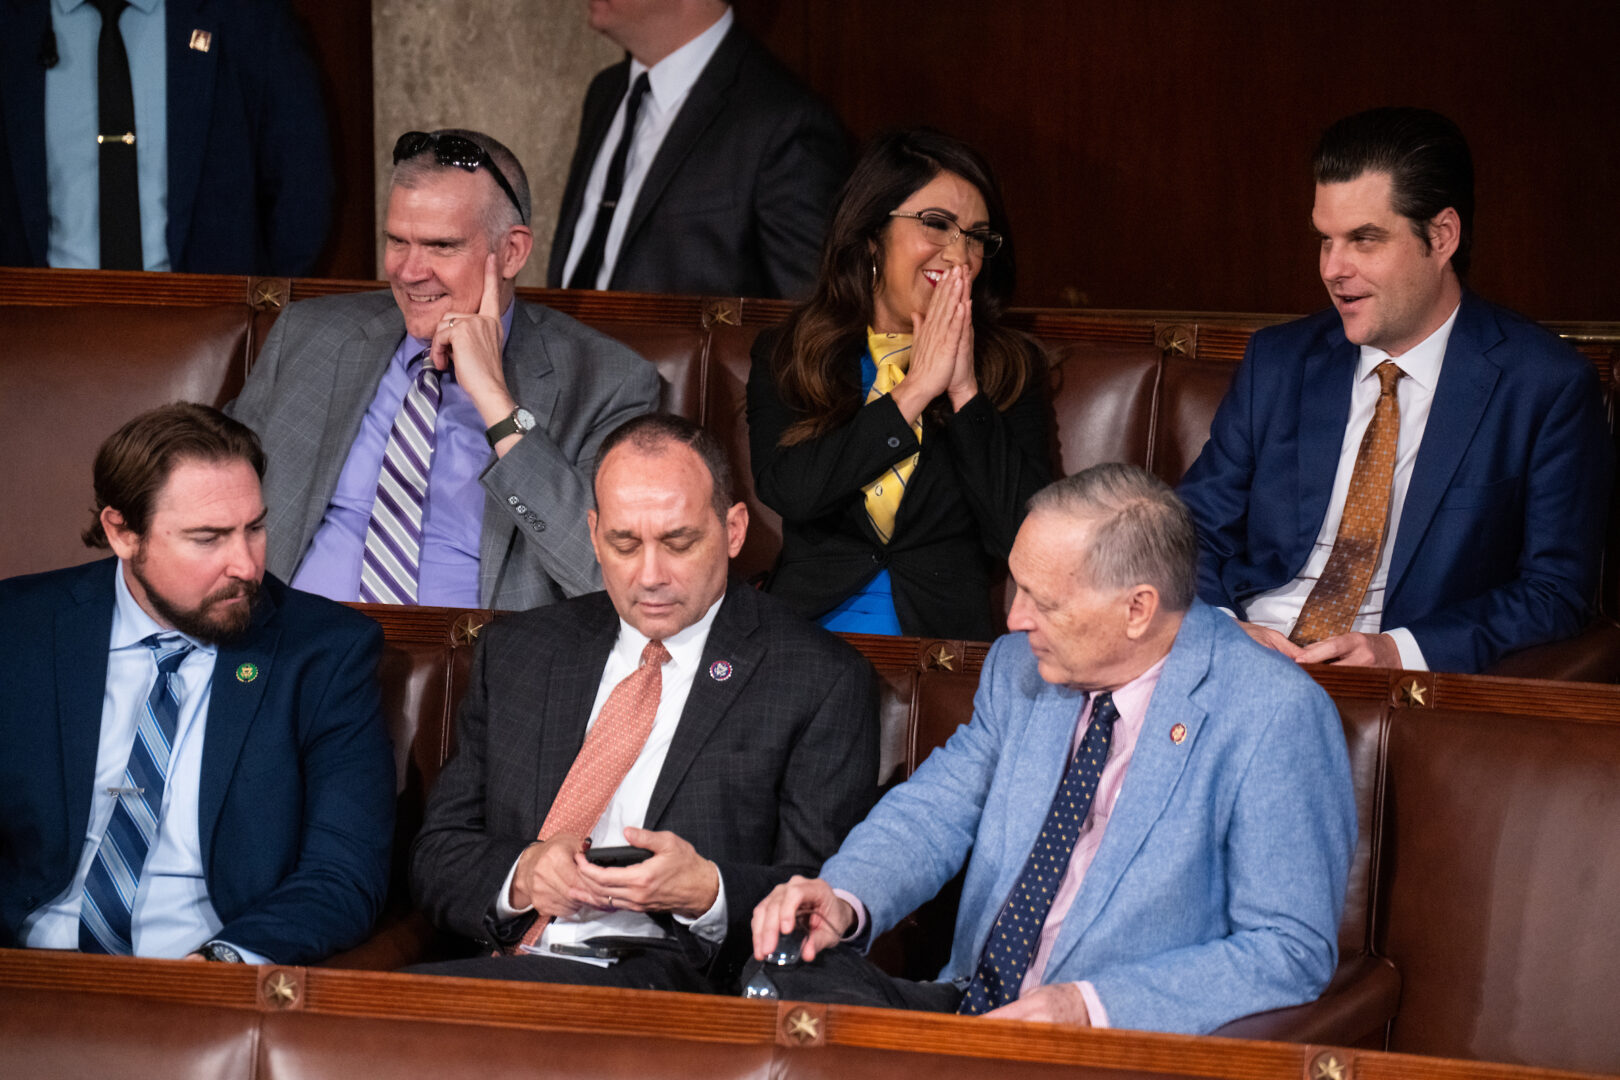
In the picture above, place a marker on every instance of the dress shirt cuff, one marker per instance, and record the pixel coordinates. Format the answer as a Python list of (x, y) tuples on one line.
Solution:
[(248, 955), (711, 925), (859, 908), (503, 909), (1407, 646), (1094, 1005), (1230, 612)]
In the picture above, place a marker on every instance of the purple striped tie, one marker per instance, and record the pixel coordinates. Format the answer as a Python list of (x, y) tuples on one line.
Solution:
[(392, 563)]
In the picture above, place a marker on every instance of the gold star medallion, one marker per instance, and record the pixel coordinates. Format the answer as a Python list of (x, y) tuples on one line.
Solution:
[(802, 1026)]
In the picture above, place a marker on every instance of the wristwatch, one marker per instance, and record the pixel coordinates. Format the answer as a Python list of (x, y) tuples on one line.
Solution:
[(519, 423), (218, 950)]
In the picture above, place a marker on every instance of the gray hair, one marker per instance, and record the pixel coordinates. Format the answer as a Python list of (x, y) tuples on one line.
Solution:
[(1141, 533), (498, 213)]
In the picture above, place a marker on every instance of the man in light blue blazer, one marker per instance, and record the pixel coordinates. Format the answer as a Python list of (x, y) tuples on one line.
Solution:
[(1195, 786)]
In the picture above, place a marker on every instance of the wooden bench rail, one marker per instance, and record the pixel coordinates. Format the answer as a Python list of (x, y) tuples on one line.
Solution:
[(633, 1014)]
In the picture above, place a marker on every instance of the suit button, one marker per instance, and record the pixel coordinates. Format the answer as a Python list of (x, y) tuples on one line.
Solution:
[(539, 526), (522, 509), (894, 442), (511, 500)]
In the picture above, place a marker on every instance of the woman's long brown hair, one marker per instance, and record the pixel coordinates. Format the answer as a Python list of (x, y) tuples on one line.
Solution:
[(811, 362)]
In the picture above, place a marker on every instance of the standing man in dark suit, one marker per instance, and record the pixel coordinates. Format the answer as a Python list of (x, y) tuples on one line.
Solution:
[(195, 764), (698, 720), (1415, 478), (726, 181), (226, 169), (434, 444)]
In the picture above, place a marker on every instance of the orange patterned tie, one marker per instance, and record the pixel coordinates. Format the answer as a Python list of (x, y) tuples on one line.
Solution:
[(611, 747), (1332, 605)]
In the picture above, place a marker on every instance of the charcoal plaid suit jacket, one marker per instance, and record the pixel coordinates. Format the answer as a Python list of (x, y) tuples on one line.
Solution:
[(769, 767)]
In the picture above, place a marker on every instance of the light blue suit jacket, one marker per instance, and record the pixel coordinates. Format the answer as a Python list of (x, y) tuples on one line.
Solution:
[(1218, 886)]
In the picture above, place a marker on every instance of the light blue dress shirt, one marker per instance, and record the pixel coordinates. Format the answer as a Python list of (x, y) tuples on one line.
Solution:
[(452, 520), (172, 915), (72, 158)]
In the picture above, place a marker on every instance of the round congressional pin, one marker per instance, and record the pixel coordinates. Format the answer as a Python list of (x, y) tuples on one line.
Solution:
[(247, 672), (1178, 734), (720, 670)]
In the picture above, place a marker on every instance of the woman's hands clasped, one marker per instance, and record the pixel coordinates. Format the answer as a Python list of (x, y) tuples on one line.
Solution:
[(941, 349)]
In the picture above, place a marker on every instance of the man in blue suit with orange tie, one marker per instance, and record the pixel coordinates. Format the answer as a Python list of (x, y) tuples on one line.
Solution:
[(196, 763), (1413, 478), (1155, 814)]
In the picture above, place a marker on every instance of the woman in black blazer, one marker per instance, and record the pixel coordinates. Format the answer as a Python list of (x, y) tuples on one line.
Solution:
[(895, 426)]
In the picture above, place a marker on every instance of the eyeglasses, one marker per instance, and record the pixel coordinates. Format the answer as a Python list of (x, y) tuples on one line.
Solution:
[(455, 151), (943, 231)]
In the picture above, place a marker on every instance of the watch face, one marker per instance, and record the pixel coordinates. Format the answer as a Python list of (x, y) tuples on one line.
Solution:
[(523, 418)]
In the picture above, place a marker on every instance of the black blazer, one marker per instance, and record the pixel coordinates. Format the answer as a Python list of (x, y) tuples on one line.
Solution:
[(739, 195), (768, 769), (956, 523)]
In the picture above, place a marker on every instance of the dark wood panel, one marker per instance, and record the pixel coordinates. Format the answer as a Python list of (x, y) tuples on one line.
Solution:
[(1156, 154), (340, 35)]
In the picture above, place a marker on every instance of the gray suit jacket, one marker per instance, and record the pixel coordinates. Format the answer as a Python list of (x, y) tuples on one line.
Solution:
[(770, 765), (318, 373)]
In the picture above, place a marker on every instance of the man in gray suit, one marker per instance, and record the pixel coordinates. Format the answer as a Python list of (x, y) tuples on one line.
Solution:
[(757, 748), (434, 445)]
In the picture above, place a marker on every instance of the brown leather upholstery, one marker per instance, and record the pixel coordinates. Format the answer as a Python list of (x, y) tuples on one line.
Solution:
[(725, 412), (1102, 402), (1499, 889), (71, 376), (1189, 393), (46, 1033)]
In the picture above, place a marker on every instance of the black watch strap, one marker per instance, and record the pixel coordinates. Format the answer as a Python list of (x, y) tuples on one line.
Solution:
[(518, 423)]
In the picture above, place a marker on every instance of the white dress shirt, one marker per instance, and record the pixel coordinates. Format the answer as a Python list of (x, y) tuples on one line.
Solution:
[(628, 806), (1279, 608), (172, 915), (668, 83)]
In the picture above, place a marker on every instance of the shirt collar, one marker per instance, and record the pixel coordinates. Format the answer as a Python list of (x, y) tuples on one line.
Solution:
[(1132, 699), (413, 345), (685, 648), (131, 623), (671, 79), (1421, 362)]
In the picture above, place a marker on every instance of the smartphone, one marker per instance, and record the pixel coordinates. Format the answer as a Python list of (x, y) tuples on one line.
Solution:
[(616, 856), (594, 952)]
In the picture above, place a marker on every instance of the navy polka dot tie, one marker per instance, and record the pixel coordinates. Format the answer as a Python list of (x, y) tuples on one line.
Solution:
[(1017, 930)]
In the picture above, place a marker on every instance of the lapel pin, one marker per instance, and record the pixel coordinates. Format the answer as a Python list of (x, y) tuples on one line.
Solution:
[(720, 670), (201, 40), (1178, 734), (246, 673)]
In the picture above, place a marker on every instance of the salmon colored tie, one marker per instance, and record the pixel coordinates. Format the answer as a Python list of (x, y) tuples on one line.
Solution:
[(611, 747), (1331, 608)]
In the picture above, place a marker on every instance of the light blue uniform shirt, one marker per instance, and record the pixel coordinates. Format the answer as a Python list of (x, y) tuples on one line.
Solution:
[(172, 915), (72, 158)]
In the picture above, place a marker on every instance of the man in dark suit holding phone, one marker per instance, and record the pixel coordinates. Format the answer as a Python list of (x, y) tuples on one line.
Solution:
[(675, 712)]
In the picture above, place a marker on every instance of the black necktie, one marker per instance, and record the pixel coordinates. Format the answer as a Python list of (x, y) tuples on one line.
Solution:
[(590, 260), (120, 188)]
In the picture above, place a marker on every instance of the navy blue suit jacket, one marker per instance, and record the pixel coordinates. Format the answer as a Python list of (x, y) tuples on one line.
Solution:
[(250, 171), (1502, 529), (297, 800)]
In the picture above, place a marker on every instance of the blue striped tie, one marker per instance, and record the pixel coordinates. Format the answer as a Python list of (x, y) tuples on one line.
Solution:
[(109, 890), (391, 566), (1017, 931)]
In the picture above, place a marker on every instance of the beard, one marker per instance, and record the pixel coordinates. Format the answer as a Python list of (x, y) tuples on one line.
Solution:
[(197, 622)]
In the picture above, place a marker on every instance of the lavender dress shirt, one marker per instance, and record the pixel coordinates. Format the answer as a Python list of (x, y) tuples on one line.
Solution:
[(452, 520)]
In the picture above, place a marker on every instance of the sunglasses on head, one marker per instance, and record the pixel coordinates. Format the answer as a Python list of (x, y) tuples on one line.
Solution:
[(456, 151)]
